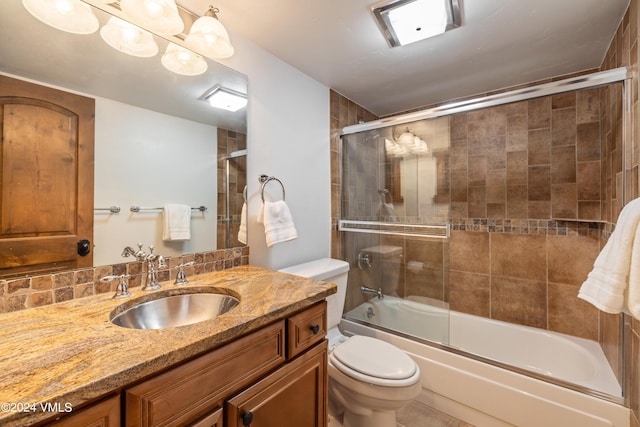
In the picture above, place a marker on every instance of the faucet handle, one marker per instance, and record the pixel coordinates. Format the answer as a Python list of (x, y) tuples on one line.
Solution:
[(181, 277), (122, 290)]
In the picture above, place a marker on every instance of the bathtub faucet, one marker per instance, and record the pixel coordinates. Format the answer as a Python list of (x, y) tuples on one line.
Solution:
[(366, 290)]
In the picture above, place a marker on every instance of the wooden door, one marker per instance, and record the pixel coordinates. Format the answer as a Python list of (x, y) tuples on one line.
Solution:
[(46, 178), (294, 395)]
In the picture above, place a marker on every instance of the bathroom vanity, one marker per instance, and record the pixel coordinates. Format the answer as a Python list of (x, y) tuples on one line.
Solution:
[(262, 360)]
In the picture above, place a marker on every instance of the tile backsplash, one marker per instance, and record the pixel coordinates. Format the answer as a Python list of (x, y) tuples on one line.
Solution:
[(35, 291)]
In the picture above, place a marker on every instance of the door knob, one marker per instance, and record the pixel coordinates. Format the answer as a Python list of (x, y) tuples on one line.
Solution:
[(84, 247)]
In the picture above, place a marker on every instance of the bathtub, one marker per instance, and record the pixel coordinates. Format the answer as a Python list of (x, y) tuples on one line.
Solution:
[(533, 377)]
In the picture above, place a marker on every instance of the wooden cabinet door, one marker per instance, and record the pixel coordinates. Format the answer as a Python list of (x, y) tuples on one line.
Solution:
[(46, 178), (102, 414), (180, 396), (294, 395)]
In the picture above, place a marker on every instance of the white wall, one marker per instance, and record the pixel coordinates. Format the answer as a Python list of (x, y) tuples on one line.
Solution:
[(150, 159), (288, 137)]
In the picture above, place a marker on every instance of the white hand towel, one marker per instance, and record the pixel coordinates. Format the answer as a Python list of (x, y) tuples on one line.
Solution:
[(242, 231), (176, 222), (609, 286), (278, 222)]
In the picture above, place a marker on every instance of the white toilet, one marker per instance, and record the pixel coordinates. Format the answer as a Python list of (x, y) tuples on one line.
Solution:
[(369, 379)]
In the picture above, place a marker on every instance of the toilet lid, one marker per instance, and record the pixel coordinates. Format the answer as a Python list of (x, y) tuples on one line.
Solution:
[(374, 358)]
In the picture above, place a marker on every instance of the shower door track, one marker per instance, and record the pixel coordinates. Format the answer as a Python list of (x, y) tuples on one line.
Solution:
[(586, 81)]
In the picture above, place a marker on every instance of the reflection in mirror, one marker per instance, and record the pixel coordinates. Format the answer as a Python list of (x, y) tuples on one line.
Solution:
[(156, 142)]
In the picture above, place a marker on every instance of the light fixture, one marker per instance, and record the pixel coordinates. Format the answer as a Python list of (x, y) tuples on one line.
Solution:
[(128, 38), (225, 98), (406, 143), (71, 16), (407, 21), (183, 61), (209, 37), (156, 15)]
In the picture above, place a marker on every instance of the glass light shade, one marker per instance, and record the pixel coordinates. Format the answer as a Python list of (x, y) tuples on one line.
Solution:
[(128, 38), (418, 20), (394, 149), (209, 37), (227, 100), (183, 61), (406, 139), (156, 15), (71, 16)]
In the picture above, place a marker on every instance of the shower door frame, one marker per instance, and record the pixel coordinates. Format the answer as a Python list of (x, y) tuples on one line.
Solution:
[(621, 75)]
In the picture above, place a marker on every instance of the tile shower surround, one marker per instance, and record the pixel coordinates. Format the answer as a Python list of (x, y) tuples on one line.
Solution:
[(228, 142), (21, 293)]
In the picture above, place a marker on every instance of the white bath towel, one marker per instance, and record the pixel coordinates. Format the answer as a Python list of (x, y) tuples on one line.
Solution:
[(278, 222), (242, 231), (176, 222), (613, 284), (633, 289)]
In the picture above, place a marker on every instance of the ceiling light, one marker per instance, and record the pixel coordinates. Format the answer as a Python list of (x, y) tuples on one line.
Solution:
[(183, 61), (406, 143), (155, 15), (128, 38), (71, 16), (209, 37), (227, 99), (407, 21)]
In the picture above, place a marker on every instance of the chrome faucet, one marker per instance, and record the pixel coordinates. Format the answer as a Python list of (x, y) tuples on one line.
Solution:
[(377, 292), (181, 277), (153, 262), (139, 254), (122, 289)]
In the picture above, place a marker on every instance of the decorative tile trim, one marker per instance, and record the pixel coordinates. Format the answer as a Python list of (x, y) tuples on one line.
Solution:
[(27, 292), (531, 226)]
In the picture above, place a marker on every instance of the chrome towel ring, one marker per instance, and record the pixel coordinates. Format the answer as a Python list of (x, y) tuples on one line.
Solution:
[(265, 179)]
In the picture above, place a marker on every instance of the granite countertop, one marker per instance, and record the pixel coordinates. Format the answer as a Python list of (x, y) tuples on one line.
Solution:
[(70, 353)]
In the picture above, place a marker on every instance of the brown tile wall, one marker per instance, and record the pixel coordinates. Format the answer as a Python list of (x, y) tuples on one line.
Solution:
[(536, 159), (528, 279), (27, 292), (229, 141)]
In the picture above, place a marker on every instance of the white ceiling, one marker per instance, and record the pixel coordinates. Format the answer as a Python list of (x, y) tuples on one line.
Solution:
[(501, 43)]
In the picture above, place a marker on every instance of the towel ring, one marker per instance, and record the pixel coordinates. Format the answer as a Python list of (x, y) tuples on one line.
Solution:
[(265, 180)]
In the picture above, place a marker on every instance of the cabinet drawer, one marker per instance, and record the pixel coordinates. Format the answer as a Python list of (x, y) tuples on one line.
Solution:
[(306, 328), (190, 391)]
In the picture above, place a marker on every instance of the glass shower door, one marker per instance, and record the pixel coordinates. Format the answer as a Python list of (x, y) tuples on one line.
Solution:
[(395, 228)]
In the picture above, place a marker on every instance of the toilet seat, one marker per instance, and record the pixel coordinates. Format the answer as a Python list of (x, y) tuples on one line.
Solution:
[(374, 361)]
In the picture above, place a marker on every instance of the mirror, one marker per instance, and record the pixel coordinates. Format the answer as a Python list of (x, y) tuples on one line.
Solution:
[(155, 140)]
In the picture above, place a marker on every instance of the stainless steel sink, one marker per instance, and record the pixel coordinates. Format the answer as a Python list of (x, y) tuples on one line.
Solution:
[(174, 310)]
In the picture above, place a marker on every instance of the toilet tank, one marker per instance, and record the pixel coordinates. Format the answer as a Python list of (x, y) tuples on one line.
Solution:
[(328, 270)]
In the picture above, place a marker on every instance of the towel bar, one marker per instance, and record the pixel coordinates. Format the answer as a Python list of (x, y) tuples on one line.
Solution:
[(111, 209), (135, 208), (264, 179)]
